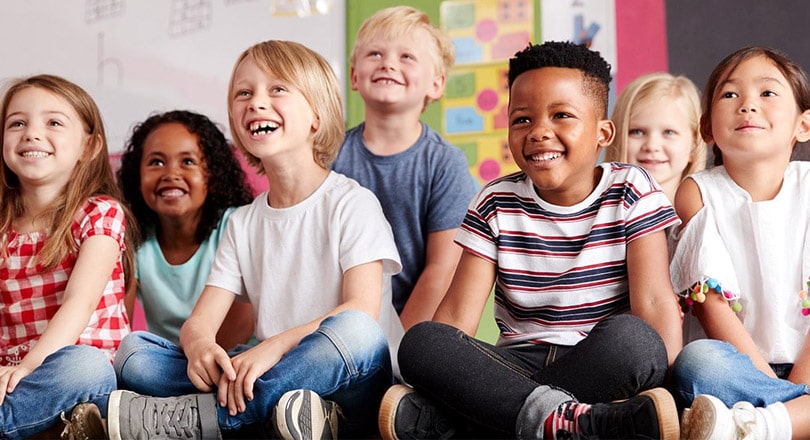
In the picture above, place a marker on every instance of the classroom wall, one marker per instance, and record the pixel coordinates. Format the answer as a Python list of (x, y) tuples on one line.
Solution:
[(138, 57)]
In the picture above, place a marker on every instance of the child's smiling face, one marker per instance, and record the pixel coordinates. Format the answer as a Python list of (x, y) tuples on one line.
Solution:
[(754, 112), (174, 176), (556, 133)]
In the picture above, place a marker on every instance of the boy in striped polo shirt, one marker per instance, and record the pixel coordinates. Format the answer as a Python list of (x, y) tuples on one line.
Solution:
[(577, 254)]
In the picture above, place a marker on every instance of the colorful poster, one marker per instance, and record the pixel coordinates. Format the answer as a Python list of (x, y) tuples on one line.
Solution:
[(485, 35)]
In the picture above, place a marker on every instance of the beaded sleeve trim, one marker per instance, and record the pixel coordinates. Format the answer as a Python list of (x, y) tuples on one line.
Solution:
[(697, 294)]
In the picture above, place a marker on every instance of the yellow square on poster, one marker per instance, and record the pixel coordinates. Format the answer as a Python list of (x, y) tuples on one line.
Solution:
[(476, 100), (487, 31), (488, 155)]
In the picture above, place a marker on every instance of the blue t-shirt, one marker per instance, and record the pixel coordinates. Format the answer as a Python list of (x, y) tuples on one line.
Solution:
[(168, 292), (423, 189)]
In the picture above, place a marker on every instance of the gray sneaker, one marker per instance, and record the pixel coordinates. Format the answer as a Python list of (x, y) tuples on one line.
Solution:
[(303, 415), (85, 423), (131, 416)]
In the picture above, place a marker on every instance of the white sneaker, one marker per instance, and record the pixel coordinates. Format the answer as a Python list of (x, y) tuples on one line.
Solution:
[(710, 419)]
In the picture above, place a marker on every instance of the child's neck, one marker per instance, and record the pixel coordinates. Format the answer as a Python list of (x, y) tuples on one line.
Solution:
[(178, 239), (761, 179), (289, 186), (385, 136), (36, 201)]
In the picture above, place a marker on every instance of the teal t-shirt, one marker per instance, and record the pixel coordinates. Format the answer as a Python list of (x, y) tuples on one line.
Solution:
[(168, 292)]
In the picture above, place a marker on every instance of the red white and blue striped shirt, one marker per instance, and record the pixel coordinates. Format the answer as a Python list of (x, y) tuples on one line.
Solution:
[(562, 269)]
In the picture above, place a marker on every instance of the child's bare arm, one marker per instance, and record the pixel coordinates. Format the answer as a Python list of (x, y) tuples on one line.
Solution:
[(652, 297), (688, 201), (801, 366), (440, 264), (464, 302), (91, 273), (207, 361)]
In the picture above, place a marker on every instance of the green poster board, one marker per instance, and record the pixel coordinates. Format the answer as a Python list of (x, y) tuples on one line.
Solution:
[(356, 12)]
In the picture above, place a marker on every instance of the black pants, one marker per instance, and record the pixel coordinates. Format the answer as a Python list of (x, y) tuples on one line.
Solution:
[(482, 387)]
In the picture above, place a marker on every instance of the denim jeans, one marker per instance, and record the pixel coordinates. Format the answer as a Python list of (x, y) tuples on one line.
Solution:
[(72, 375), (484, 386), (346, 360), (709, 366)]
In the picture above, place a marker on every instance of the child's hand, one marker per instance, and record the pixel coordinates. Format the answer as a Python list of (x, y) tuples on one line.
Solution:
[(249, 366), (207, 364), (10, 377)]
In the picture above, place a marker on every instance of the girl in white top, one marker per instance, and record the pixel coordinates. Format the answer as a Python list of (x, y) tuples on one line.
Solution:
[(743, 256)]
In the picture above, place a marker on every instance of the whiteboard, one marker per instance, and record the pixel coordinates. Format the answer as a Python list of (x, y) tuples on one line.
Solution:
[(137, 57)]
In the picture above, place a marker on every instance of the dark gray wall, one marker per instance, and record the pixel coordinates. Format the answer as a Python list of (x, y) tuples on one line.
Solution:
[(700, 33)]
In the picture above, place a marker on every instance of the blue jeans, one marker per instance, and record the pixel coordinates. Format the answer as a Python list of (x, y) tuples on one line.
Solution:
[(72, 375), (346, 360), (709, 366)]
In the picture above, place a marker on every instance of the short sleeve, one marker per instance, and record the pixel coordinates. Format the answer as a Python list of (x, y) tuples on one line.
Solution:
[(452, 189), (101, 216)]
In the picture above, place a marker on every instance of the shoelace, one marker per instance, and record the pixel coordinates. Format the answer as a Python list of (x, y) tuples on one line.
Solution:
[(744, 416), (178, 419)]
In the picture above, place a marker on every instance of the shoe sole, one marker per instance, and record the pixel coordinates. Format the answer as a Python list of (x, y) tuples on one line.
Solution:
[(113, 415), (299, 419), (388, 410), (668, 425), (88, 422), (701, 421)]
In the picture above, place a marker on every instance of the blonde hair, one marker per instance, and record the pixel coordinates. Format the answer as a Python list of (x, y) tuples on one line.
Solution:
[(403, 20), (309, 72), (92, 176), (656, 85)]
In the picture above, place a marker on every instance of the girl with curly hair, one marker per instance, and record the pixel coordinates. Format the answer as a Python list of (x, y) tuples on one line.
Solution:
[(182, 181)]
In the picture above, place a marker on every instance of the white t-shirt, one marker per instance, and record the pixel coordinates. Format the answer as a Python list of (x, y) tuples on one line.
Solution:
[(290, 262), (760, 250)]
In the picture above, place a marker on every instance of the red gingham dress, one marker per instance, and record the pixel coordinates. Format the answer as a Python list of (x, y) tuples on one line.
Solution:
[(31, 295)]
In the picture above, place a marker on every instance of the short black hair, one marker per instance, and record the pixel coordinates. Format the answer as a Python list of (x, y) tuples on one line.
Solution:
[(568, 55), (227, 182)]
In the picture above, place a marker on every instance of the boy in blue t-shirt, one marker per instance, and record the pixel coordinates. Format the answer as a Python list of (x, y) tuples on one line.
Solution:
[(399, 64)]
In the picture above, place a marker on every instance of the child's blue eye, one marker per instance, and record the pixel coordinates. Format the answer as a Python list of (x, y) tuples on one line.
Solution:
[(670, 132), (635, 132)]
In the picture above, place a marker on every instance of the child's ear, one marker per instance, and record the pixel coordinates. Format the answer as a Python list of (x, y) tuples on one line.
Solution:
[(606, 132), (803, 128), (436, 89), (353, 79), (94, 146)]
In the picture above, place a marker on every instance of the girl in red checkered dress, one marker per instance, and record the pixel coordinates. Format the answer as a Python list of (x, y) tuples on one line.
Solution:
[(63, 255)]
